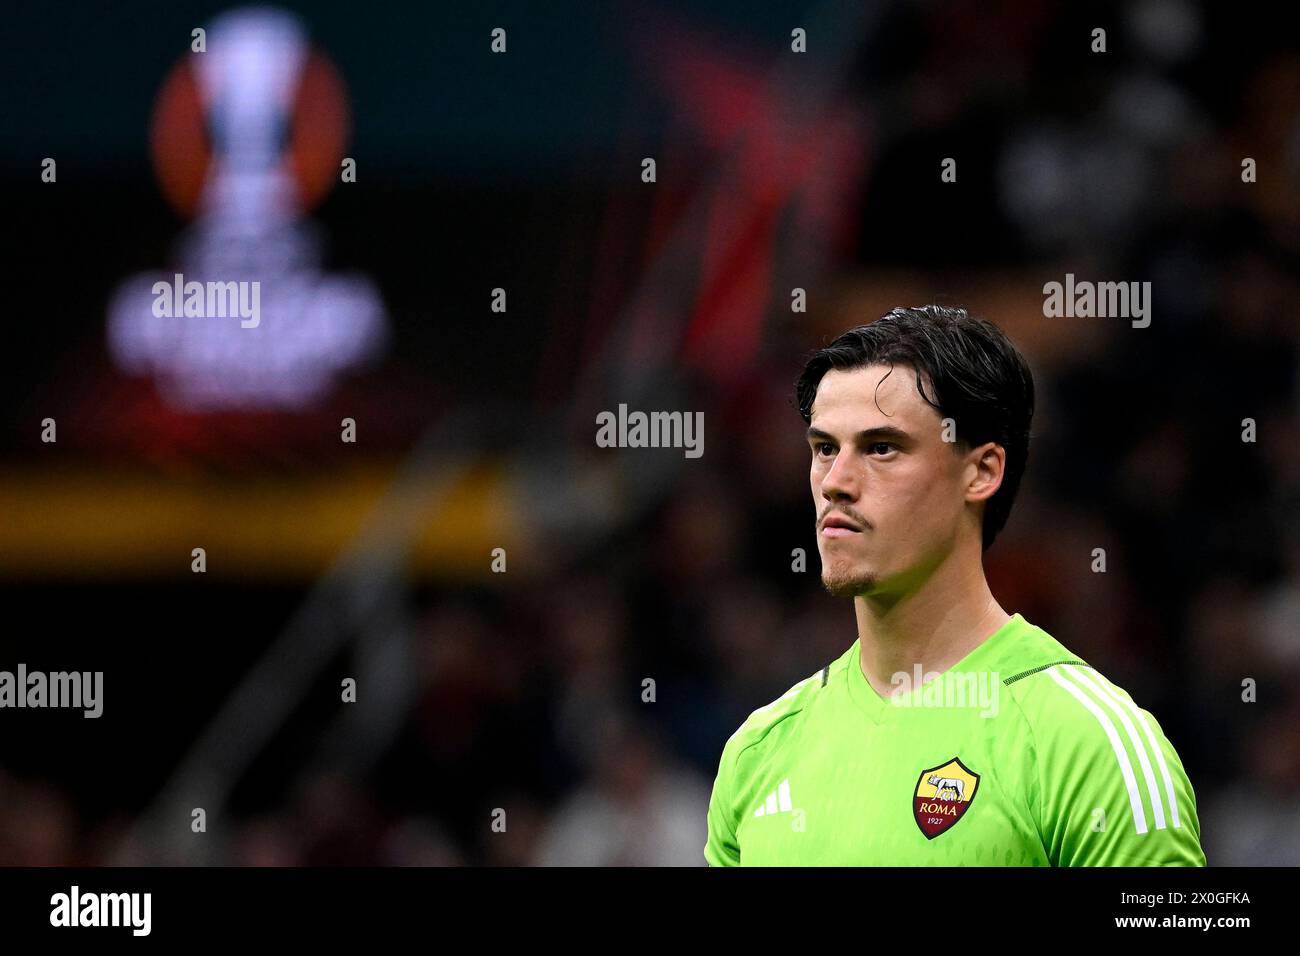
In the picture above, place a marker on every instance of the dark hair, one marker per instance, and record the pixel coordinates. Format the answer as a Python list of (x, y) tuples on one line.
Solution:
[(979, 380)]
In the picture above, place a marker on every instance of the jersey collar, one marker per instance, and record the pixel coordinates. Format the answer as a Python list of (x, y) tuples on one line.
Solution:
[(878, 708)]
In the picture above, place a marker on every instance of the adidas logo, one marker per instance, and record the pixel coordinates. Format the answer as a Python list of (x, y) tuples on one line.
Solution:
[(778, 801)]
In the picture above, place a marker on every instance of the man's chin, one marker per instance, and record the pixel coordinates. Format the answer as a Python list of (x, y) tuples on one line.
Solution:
[(851, 585)]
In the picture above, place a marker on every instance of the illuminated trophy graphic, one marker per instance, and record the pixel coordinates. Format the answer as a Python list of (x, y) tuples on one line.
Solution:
[(246, 135)]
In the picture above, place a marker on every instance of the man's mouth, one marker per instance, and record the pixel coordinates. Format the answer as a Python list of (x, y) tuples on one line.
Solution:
[(838, 527)]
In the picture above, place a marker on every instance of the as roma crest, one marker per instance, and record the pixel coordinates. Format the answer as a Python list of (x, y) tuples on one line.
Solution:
[(943, 794)]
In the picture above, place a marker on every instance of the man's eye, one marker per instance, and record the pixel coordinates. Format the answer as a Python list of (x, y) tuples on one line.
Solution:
[(823, 448), (887, 446)]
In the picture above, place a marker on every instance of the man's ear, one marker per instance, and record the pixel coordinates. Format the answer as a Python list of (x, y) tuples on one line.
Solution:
[(989, 464)]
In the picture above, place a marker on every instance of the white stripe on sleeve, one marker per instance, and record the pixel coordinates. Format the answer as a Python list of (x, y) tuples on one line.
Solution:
[(1126, 768)]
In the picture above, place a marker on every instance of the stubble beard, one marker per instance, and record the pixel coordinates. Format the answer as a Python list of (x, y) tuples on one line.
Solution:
[(842, 579)]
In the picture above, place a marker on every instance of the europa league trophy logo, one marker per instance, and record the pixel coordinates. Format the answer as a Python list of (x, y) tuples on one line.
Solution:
[(246, 136)]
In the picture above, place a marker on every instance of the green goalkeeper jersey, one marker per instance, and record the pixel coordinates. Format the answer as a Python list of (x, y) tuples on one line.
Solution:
[(1019, 755)]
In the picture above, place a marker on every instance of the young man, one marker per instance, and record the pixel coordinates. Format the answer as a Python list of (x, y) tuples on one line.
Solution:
[(950, 733)]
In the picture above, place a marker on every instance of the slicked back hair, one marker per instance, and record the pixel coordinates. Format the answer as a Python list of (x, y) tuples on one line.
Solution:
[(976, 377)]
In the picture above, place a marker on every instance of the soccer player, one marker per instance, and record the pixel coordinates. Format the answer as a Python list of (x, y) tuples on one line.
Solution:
[(951, 733)]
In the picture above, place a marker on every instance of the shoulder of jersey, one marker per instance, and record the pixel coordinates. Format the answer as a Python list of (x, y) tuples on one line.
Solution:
[(794, 700), (1079, 718), (1058, 691)]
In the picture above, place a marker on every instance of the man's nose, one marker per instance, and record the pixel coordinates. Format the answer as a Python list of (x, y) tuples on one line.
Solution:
[(841, 480)]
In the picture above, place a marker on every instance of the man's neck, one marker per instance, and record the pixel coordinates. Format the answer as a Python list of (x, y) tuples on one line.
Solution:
[(935, 626)]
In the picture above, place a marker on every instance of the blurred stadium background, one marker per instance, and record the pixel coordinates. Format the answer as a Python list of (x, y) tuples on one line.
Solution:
[(475, 428)]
